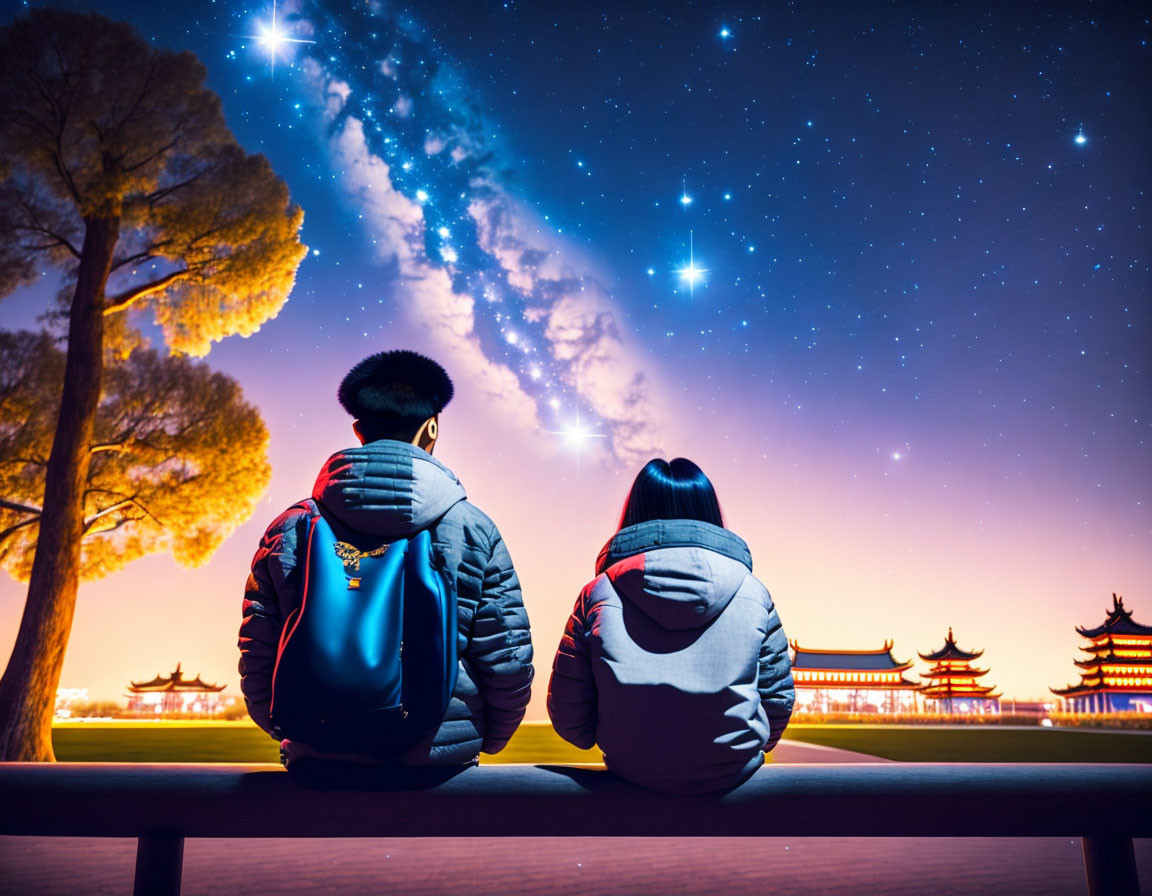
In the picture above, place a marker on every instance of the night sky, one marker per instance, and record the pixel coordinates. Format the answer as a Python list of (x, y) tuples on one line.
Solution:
[(883, 271)]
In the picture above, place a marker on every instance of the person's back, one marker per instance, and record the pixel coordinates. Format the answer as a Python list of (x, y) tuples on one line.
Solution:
[(382, 490), (674, 661)]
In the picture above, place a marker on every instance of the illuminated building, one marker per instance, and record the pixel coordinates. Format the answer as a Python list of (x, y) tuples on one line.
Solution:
[(951, 682), (852, 681), (1116, 676), (174, 694)]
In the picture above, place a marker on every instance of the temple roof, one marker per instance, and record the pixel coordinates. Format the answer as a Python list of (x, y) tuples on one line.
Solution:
[(954, 673), (950, 652), (848, 660), (1082, 688), (1119, 622), (939, 691), (1111, 659), (174, 682)]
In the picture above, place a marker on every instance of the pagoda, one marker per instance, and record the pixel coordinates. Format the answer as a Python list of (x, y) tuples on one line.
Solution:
[(174, 694), (1116, 674), (952, 680), (852, 681)]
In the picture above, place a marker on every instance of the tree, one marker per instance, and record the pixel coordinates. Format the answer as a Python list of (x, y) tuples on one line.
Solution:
[(178, 459), (119, 170)]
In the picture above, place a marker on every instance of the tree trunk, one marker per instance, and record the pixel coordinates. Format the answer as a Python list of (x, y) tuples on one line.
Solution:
[(28, 688)]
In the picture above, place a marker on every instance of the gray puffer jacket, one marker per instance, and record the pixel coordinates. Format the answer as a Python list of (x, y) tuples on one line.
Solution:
[(674, 661), (371, 494)]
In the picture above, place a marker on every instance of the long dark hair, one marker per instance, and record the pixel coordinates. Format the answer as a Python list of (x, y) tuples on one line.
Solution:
[(676, 490)]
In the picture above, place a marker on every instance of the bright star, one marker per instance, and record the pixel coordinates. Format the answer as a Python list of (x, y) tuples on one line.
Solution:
[(685, 199), (691, 274), (1080, 139), (576, 435), (895, 455), (725, 33), (273, 39)]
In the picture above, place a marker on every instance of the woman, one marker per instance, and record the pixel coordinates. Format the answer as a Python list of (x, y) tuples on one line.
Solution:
[(674, 660)]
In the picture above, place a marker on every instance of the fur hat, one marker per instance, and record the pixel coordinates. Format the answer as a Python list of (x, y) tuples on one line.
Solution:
[(397, 385)]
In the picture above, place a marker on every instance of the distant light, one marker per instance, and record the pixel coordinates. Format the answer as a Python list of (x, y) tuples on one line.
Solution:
[(576, 433), (691, 274), (273, 39), (685, 199), (421, 196), (651, 271), (725, 33), (1080, 139), (727, 195), (444, 232), (895, 455)]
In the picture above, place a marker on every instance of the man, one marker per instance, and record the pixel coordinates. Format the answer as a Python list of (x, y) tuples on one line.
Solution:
[(391, 487)]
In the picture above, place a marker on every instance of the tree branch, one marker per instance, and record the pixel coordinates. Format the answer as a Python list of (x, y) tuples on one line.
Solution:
[(123, 521), (164, 192), (19, 508), (37, 227), (12, 530), (163, 149), (112, 508), (143, 255), (125, 299)]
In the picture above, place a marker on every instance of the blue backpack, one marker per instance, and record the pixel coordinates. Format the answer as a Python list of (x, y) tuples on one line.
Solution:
[(367, 663)]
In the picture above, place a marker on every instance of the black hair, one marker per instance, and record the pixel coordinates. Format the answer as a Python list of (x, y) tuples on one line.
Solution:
[(676, 490), (391, 393)]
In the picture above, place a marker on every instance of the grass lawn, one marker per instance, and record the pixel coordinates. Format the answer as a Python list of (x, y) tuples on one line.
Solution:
[(977, 743), (181, 741)]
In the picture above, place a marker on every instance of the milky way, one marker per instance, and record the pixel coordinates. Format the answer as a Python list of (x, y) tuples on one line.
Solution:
[(523, 310)]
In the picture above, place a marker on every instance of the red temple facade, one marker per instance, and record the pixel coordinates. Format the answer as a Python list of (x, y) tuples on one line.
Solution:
[(1116, 674), (852, 681), (951, 685), (174, 694)]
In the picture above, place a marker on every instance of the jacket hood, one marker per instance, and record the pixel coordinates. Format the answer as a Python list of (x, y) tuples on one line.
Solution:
[(680, 573), (386, 488)]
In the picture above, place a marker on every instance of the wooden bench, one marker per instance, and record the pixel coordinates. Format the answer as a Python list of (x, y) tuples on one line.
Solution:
[(1106, 805)]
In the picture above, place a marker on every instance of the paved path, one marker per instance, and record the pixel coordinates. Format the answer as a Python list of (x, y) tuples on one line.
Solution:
[(567, 867)]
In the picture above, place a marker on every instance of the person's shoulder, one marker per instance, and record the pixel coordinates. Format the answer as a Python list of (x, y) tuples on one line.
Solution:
[(599, 591), (291, 518), (755, 590), (467, 514)]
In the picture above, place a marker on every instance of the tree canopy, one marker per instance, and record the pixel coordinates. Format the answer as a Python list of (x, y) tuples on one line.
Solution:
[(97, 123), (178, 459)]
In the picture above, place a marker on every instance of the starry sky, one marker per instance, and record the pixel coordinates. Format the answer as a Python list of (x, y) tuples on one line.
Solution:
[(882, 270)]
